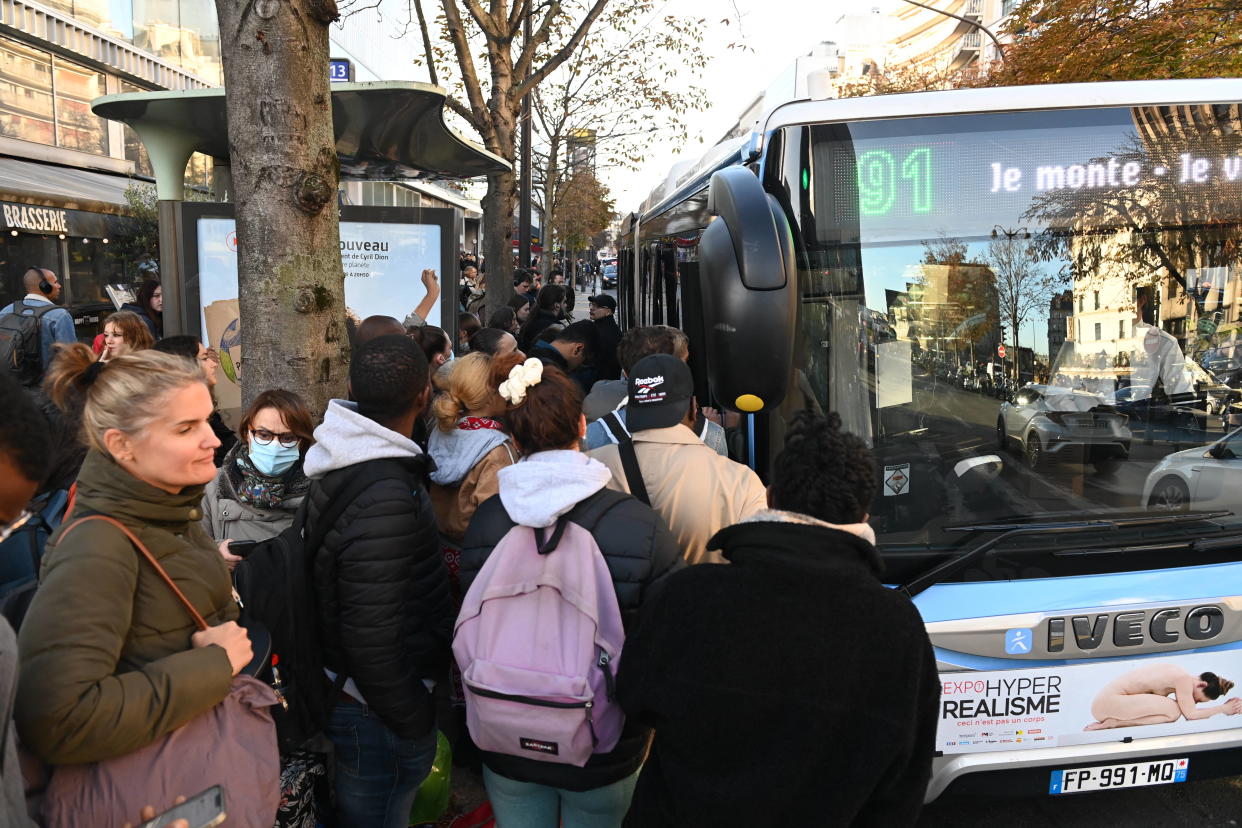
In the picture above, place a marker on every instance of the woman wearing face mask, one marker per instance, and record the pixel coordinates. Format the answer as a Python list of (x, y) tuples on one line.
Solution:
[(260, 484), (436, 345)]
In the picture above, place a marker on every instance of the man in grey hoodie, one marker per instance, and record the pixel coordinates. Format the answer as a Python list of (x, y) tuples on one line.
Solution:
[(380, 582)]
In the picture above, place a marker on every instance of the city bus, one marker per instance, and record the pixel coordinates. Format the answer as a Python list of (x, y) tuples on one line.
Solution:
[(1027, 301)]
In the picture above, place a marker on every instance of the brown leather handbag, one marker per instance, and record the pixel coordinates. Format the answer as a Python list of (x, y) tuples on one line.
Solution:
[(232, 745)]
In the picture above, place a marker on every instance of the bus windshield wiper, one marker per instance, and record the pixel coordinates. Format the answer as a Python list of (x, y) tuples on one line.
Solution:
[(1012, 530)]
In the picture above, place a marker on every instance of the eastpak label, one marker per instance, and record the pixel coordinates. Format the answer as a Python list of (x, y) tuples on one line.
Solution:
[(539, 746)]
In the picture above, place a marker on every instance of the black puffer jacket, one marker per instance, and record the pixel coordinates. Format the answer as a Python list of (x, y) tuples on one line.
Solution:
[(382, 591), (640, 552)]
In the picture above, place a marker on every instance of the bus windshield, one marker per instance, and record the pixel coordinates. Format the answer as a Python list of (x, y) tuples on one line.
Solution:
[(1027, 314)]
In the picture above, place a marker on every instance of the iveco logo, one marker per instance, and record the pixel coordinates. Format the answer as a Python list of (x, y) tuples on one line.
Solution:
[(1090, 632), (1133, 629)]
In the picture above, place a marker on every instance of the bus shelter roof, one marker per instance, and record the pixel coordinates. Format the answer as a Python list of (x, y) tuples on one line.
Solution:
[(385, 131)]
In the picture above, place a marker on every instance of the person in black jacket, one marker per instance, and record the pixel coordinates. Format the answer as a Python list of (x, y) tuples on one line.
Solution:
[(554, 479), (603, 310), (380, 584), (550, 308), (792, 687)]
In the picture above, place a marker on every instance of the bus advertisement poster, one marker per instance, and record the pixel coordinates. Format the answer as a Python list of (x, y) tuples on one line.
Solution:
[(1104, 701)]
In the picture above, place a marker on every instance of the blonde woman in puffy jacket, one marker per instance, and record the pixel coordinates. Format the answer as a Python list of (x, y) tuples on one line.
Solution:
[(469, 444)]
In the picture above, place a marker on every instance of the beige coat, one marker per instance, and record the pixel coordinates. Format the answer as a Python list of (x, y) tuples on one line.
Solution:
[(692, 487)]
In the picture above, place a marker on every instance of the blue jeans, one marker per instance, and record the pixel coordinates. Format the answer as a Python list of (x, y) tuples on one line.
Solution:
[(377, 772), (527, 805)]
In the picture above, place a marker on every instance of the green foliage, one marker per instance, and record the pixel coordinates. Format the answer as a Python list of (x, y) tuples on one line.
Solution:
[(1059, 41), (585, 210), (138, 242)]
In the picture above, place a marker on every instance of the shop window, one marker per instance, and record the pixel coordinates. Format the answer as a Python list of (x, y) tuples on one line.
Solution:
[(26, 94), (20, 253), (47, 100), (134, 150), (90, 269), (78, 128)]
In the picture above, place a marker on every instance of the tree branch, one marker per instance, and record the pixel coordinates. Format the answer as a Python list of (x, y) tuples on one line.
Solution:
[(486, 22), (562, 55), (481, 116), (431, 58), (464, 111)]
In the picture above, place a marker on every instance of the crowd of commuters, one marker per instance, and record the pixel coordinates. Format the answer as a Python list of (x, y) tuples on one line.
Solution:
[(578, 448)]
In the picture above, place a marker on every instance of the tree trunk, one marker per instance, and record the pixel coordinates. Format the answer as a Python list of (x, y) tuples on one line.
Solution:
[(498, 207), (285, 172), (551, 177)]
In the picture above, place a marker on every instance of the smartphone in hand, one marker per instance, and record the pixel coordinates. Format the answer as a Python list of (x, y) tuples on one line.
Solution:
[(202, 811)]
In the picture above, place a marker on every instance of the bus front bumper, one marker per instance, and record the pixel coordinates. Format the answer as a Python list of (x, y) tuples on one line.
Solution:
[(1027, 772)]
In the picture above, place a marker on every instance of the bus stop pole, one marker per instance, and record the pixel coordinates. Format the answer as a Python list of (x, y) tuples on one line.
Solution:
[(170, 150)]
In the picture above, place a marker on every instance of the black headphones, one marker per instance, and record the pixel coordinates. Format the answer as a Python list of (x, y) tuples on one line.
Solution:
[(45, 287)]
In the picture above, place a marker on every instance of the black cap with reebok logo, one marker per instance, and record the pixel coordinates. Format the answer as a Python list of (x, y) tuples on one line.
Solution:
[(660, 389), (604, 301)]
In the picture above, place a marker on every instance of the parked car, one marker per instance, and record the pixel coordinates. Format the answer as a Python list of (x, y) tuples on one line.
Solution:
[(1204, 477), (1049, 423)]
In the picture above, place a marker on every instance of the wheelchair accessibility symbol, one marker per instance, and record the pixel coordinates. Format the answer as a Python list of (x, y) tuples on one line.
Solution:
[(1018, 642)]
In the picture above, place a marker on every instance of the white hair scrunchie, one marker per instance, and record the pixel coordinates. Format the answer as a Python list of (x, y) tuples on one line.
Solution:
[(520, 378)]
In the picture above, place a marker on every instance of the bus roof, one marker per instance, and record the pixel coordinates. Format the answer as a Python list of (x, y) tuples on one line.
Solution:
[(1008, 99), (947, 102)]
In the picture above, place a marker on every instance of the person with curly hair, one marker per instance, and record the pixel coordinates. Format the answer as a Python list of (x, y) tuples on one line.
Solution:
[(763, 676)]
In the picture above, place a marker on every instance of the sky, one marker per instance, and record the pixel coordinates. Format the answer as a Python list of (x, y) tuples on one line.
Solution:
[(774, 32)]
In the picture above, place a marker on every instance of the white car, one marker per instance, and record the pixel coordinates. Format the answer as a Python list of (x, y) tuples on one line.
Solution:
[(1206, 477), (1048, 422)]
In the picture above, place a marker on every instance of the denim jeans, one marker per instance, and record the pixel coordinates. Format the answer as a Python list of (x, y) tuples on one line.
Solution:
[(527, 805), (377, 772)]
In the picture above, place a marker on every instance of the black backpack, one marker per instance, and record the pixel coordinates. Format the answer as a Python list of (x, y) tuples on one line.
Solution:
[(20, 352), (277, 591)]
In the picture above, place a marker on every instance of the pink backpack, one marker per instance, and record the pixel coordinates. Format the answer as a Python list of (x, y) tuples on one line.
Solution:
[(538, 641)]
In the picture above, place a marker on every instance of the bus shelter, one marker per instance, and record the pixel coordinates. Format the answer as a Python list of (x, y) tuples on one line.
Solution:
[(385, 131)]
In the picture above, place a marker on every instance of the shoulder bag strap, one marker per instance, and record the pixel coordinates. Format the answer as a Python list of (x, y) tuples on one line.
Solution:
[(199, 621), (629, 462)]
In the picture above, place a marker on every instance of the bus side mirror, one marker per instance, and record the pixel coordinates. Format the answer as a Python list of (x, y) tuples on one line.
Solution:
[(749, 284)]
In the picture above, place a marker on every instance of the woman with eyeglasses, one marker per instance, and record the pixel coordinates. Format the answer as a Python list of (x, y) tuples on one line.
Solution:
[(260, 484)]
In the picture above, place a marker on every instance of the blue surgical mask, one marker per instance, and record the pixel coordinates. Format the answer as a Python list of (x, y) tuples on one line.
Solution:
[(273, 459)]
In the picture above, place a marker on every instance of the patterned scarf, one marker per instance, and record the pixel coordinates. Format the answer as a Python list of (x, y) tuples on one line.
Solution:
[(477, 423), (256, 488)]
